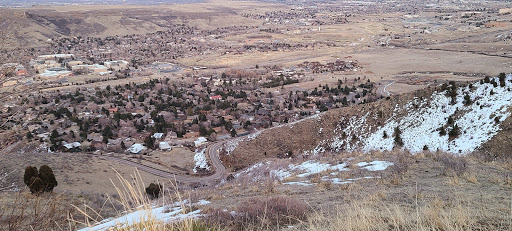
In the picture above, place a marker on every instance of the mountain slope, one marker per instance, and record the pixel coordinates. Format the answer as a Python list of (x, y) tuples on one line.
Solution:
[(469, 118)]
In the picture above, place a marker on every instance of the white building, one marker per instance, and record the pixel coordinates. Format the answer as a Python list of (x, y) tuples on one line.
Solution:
[(136, 148), (200, 141), (164, 146)]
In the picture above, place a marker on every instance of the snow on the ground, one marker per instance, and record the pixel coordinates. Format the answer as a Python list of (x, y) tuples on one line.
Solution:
[(231, 145), (166, 214), (300, 183), (420, 120), (281, 172), (312, 167), (375, 165), (304, 170), (201, 162), (345, 181), (253, 135)]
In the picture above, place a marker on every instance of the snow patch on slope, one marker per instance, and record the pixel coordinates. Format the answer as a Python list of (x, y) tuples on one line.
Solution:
[(166, 214), (375, 165), (201, 161)]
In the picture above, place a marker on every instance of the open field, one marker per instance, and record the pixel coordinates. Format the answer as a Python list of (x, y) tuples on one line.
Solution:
[(76, 172)]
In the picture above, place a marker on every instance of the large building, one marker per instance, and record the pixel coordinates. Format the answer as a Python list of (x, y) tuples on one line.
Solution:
[(54, 74), (85, 69), (117, 65)]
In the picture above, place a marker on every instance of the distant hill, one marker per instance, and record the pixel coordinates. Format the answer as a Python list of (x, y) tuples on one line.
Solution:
[(471, 118), (26, 3)]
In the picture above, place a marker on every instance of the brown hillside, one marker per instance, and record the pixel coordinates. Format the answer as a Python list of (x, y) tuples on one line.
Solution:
[(305, 136)]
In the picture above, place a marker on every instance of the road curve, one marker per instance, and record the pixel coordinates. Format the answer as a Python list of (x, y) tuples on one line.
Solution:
[(381, 90), (213, 152)]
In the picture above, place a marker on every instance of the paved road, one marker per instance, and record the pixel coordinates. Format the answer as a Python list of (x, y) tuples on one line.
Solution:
[(381, 90), (213, 151)]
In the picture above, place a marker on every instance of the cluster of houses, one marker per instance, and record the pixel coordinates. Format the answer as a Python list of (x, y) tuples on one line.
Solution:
[(336, 66), (15, 72), (184, 114), (60, 66)]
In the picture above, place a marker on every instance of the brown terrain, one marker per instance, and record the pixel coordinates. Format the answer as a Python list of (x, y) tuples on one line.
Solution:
[(406, 55)]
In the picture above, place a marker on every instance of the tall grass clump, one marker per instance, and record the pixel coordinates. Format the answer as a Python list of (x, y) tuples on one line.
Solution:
[(135, 200)]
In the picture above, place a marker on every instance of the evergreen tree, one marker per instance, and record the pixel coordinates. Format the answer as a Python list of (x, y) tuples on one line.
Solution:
[(107, 132), (502, 77), (442, 131), (454, 132), (46, 174), (398, 138), (53, 136), (202, 131), (30, 171), (36, 185), (149, 142), (467, 100)]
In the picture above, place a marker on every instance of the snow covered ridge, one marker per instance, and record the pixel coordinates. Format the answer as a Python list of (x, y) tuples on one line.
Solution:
[(201, 162), (166, 214), (420, 121)]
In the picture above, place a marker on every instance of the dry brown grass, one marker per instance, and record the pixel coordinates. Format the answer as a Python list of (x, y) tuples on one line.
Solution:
[(259, 214), (436, 214), (23, 211), (132, 197)]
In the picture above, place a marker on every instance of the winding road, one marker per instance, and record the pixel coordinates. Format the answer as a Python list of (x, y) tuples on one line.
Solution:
[(213, 151), (381, 90)]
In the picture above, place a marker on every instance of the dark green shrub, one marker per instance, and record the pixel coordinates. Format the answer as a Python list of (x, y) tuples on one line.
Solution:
[(37, 185), (454, 132), (46, 174), (398, 138), (154, 190), (502, 78), (30, 171)]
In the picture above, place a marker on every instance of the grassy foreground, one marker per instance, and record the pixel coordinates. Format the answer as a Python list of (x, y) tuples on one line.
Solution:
[(428, 191)]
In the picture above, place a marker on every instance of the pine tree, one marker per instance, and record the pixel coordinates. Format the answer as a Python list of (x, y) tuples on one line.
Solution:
[(36, 185), (202, 130), (454, 132), (29, 135), (502, 77), (30, 171), (149, 142), (46, 174), (398, 139), (467, 100), (442, 131)]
